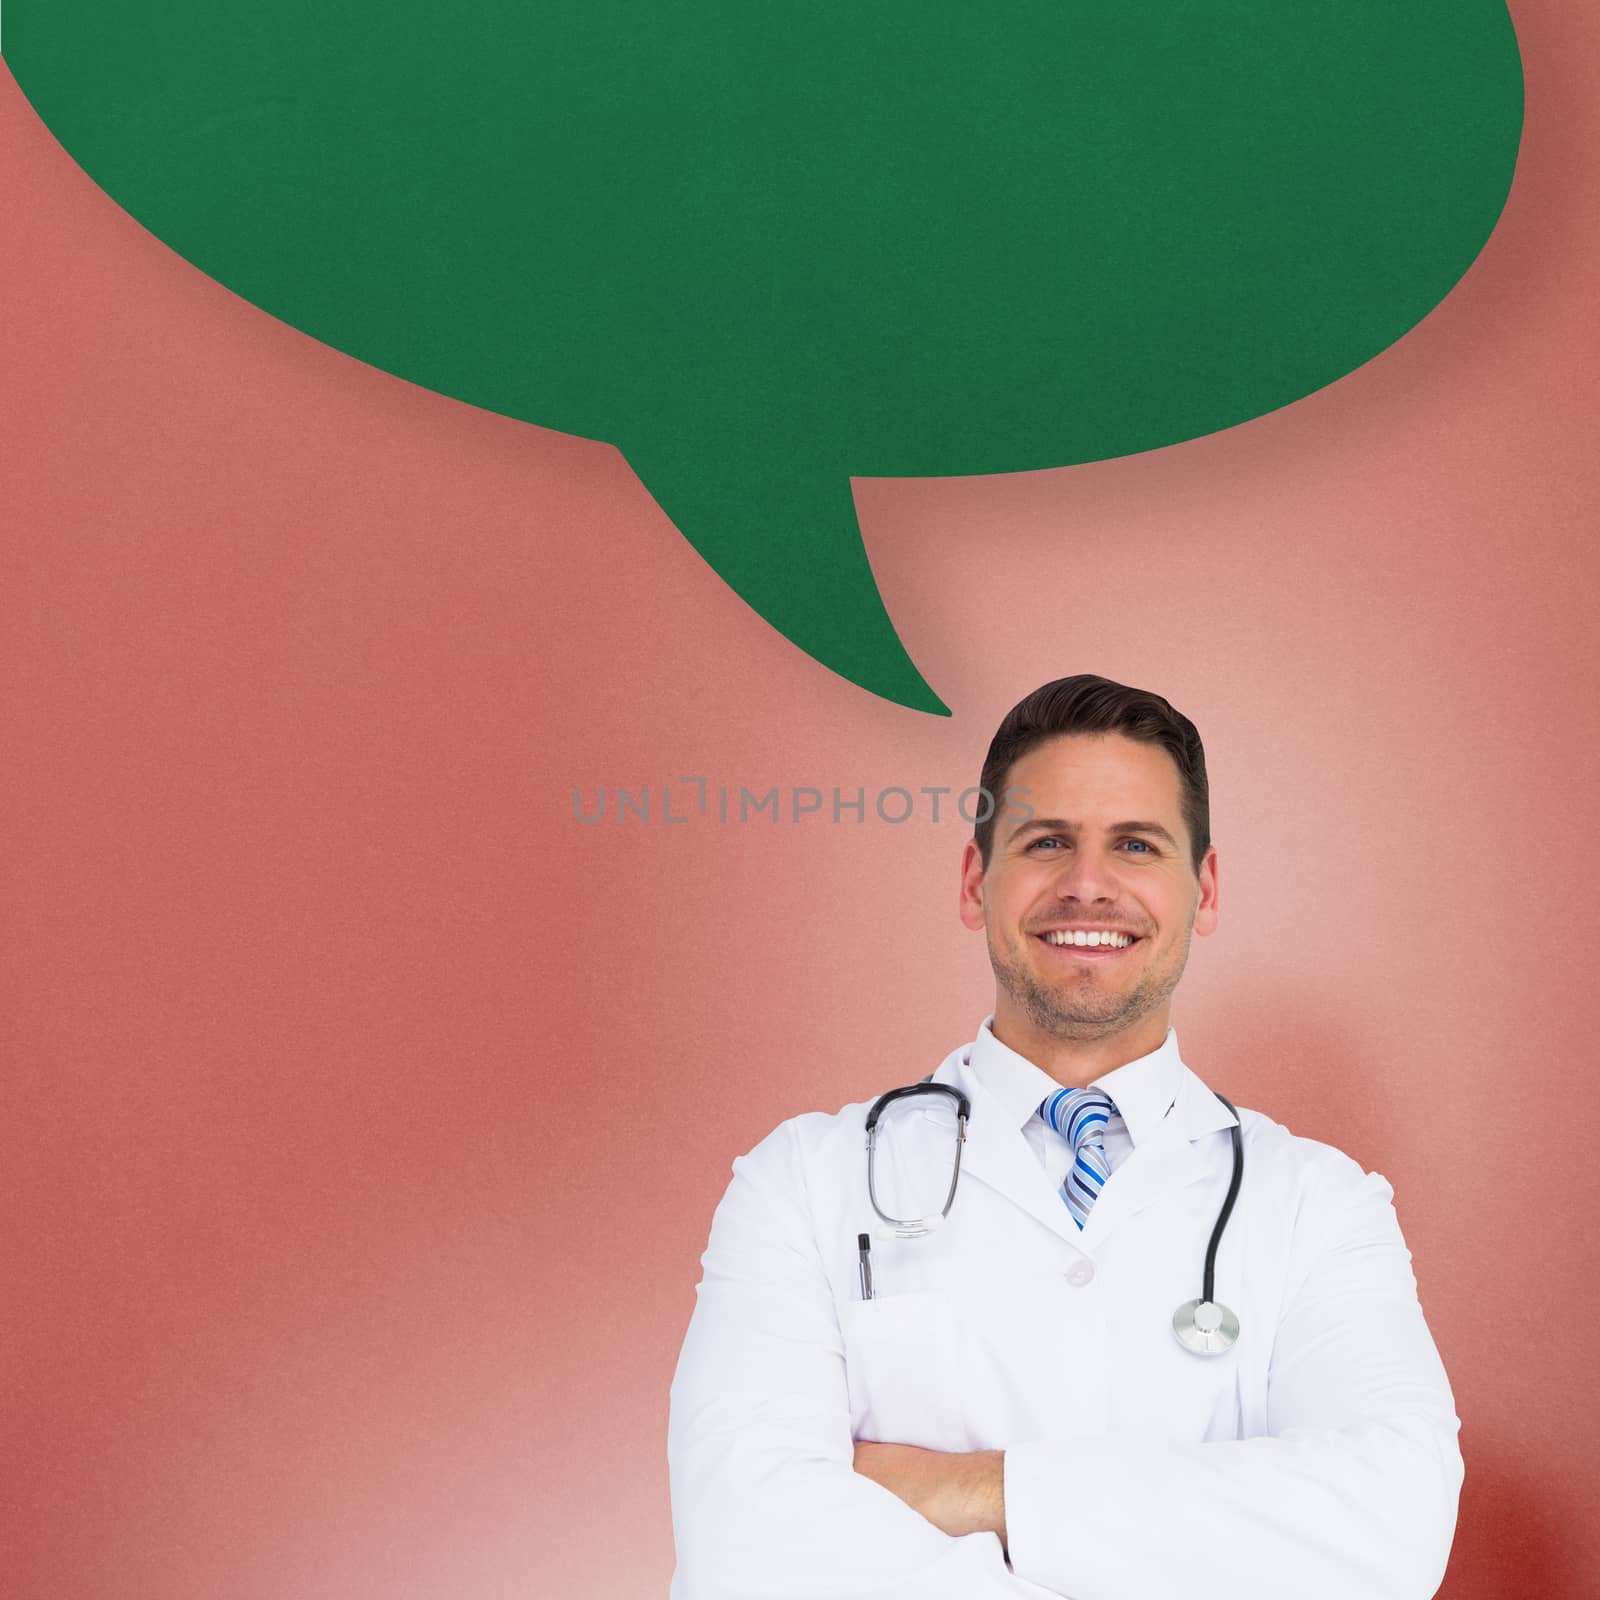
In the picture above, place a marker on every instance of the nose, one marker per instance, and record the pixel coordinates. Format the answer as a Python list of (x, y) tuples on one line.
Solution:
[(1085, 876)]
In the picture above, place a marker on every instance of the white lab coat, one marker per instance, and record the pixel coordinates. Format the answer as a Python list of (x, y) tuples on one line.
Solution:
[(1318, 1457)]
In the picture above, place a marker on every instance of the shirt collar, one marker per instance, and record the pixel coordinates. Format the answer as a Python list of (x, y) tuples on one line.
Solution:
[(1144, 1091)]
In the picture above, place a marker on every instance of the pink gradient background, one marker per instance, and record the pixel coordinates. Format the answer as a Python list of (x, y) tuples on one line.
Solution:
[(362, 1113)]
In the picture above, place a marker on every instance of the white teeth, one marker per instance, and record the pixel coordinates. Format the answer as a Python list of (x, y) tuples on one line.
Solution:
[(1094, 938), (1118, 941)]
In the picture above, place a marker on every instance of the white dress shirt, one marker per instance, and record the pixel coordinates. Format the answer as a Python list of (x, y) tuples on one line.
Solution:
[(1318, 1457), (1021, 1087)]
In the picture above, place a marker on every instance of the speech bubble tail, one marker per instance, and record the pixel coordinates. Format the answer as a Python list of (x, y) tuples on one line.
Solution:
[(785, 538)]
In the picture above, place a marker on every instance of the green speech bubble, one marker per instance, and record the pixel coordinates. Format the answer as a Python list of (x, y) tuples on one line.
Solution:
[(762, 247)]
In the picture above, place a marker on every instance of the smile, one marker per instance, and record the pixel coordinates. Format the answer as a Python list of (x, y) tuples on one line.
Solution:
[(1089, 944)]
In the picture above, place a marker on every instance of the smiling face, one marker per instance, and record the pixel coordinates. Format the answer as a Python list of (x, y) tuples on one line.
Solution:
[(1089, 903)]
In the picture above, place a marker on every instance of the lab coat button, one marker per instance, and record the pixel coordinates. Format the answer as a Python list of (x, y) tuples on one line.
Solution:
[(1080, 1273)]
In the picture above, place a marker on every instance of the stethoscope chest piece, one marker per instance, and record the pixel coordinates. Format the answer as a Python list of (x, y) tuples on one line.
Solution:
[(1205, 1327)]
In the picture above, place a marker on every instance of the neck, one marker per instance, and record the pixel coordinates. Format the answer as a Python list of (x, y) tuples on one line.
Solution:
[(1074, 1061)]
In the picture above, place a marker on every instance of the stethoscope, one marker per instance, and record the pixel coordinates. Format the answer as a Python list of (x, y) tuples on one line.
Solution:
[(1204, 1326)]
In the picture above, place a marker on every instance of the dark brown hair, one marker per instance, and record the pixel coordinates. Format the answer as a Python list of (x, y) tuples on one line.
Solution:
[(1087, 704)]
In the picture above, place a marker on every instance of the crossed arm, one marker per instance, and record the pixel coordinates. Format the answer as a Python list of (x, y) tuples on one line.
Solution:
[(959, 1494), (1354, 1492)]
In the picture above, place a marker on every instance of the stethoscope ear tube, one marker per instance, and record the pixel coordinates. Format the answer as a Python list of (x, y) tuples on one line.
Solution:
[(963, 1105), (915, 1227)]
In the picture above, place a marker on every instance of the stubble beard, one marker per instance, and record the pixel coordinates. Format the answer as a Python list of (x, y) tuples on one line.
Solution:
[(1080, 1011)]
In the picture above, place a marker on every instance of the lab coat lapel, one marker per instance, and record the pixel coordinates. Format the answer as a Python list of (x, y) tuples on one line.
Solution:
[(997, 1155), (1153, 1169), (1170, 1156)]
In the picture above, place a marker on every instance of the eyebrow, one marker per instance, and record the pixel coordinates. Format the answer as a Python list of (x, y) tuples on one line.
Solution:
[(1060, 825)]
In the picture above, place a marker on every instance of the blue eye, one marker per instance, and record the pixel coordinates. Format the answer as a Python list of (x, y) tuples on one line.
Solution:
[(1141, 846)]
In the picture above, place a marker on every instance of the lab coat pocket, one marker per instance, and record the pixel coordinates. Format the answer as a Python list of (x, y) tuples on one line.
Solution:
[(901, 1361)]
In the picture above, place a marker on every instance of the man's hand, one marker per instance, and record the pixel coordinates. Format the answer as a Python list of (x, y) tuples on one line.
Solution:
[(958, 1493)]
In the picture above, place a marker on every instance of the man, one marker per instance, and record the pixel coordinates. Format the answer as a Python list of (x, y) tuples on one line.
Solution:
[(1001, 1407)]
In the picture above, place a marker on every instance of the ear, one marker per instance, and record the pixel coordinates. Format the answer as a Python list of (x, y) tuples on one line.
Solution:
[(971, 887), (1205, 914)]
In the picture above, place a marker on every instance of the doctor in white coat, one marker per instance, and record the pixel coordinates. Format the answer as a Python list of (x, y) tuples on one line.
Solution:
[(1010, 1413)]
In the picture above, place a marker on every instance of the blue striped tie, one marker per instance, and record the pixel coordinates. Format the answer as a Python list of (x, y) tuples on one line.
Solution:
[(1080, 1117)]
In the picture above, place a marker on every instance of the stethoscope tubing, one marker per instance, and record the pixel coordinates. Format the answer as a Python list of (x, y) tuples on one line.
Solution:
[(1207, 1292)]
